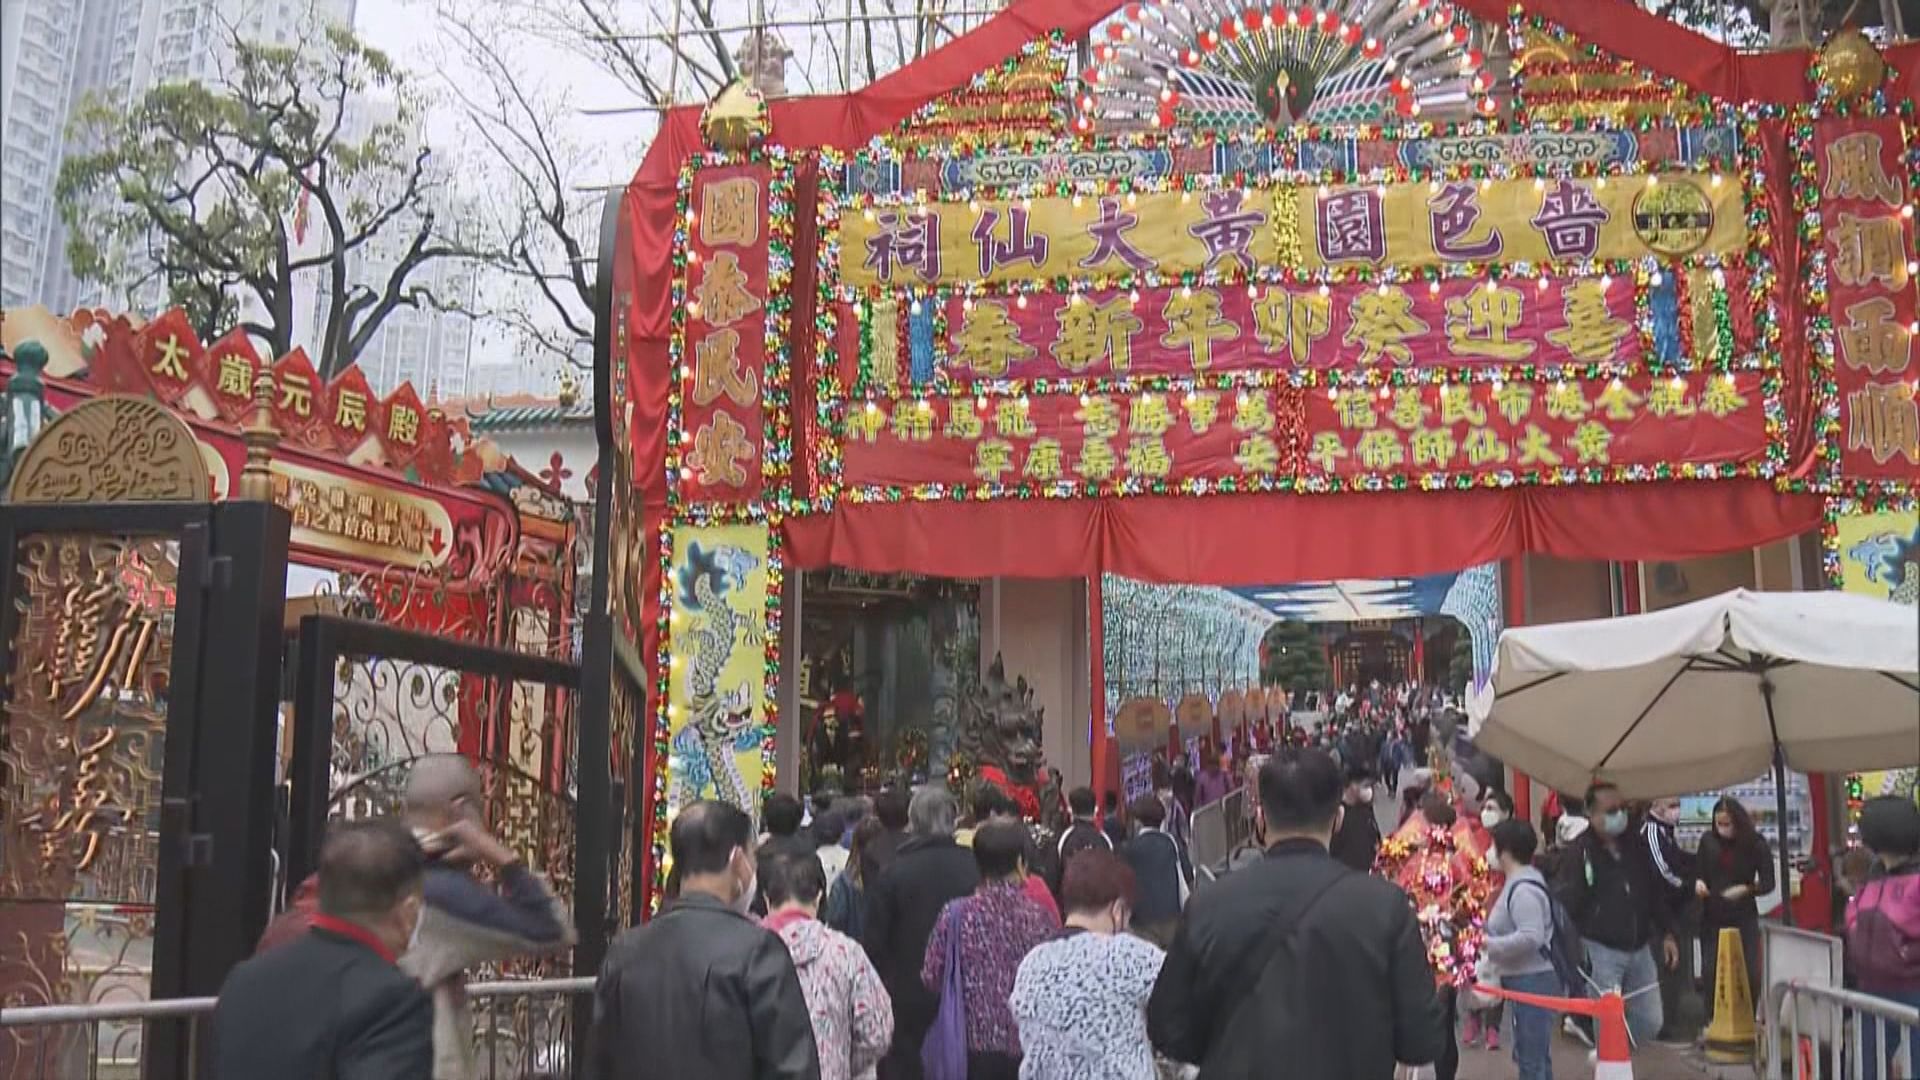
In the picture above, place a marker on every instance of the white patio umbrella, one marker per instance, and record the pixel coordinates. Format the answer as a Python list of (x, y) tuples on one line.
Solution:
[(1709, 694)]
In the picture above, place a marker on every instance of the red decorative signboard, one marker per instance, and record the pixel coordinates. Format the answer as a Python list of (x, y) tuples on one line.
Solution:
[(1063, 442), (350, 517), (1295, 438), (724, 354), (1180, 331), (1868, 238), (1623, 428), (342, 417)]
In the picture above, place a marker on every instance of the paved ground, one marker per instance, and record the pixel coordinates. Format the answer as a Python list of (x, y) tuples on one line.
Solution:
[(1570, 1063)]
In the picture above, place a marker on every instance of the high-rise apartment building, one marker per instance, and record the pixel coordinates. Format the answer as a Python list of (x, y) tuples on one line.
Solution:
[(57, 54)]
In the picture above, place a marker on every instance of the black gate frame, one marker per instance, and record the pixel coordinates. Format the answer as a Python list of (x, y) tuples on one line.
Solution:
[(214, 878), (325, 639)]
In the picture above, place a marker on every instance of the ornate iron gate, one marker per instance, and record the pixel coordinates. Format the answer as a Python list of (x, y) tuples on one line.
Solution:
[(134, 840), (371, 699)]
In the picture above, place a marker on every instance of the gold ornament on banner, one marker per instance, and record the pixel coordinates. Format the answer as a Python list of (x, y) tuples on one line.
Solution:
[(735, 121), (1850, 67), (115, 448)]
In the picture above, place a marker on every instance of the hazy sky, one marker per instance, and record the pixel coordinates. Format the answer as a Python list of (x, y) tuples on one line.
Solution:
[(409, 31)]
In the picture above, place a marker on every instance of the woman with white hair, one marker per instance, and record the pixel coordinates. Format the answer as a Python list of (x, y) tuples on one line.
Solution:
[(903, 904)]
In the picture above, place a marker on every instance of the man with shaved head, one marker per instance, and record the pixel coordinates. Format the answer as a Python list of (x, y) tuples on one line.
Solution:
[(468, 922)]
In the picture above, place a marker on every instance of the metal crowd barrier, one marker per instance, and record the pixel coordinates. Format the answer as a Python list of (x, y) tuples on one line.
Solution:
[(1825, 1033), (523, 1030)]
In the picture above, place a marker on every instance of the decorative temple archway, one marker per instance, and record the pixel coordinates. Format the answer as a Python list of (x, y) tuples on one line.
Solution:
[(986, 317)]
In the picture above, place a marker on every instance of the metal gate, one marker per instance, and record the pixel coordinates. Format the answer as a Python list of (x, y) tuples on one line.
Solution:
[(135, 845), (371, 699)]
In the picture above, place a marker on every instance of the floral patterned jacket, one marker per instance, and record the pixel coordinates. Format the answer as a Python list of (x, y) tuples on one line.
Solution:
[(851, 1012)]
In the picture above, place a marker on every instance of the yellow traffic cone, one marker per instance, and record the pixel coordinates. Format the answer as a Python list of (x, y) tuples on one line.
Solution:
[(1730, 1036)]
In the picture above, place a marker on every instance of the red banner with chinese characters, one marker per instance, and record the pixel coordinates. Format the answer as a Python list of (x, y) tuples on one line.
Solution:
[(1051, 441), (1283, 438), (1626, 429), (1180, 331), (725, 348), (1868, 237)]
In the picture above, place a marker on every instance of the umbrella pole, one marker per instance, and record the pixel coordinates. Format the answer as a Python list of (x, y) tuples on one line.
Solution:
[(1779, 805)]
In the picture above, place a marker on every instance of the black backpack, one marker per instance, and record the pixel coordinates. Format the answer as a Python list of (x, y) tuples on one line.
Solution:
[(1564, 949)]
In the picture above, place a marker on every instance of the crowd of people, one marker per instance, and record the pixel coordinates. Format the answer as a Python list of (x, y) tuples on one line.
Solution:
[(906, 937)]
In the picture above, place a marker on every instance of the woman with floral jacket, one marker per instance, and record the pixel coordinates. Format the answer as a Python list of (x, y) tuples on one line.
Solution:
[(851, 1012)]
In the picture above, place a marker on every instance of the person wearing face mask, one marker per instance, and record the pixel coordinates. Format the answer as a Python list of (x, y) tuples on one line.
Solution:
[(1674, 865), (469, 922), (703, 991), (331, 1001), (1357, 840), (1735, 868), (1609, 887), (1080, 1000), (1496, 806), (1519, 933)]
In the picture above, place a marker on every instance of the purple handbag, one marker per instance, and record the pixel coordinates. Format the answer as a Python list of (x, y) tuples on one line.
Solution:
[(943, 1056)]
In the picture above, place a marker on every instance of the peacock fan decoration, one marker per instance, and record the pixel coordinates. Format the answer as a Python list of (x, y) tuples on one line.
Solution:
[(1211, 65)]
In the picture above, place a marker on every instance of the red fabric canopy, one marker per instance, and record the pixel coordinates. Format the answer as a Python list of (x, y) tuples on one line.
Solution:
[(1262, 539)]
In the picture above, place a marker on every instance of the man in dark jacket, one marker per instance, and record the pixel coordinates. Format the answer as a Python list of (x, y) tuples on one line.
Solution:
[(902, 906), (331, 1003), (890, 807), (702, 991), (1083, 833), (1610, 889), (1355, 995), (782, 815), (1160, 888), (1358, 839)]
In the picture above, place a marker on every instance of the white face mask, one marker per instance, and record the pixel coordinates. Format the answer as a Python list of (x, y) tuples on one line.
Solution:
[(744, 902), (1365, 794), (1491, 816)]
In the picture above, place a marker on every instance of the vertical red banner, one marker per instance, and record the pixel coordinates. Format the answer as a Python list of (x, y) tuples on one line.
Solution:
[(724, 356), (1868, 234)]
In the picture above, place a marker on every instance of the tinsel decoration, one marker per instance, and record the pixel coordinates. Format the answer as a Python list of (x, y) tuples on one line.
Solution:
[(1446, 877)]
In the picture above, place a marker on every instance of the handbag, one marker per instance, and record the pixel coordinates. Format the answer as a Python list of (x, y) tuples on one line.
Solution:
[(943, 1055)]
